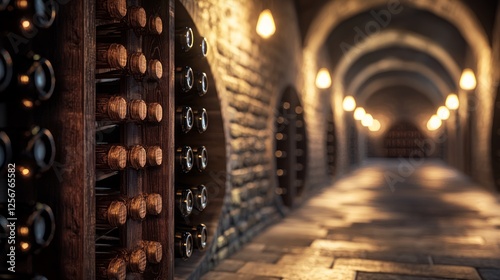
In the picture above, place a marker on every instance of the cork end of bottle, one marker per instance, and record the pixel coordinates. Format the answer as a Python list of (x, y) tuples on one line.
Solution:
[(137, 157), (117, 157), (138, 110), (117, 108), (137, 208), (117, 269), (155, 155), (137, 17), (154, 204), (154, 251), (156, 25), (155, 69), (117, 56), (155, 112), (137, 261), (138, 64), (117, 213), (117, 8)]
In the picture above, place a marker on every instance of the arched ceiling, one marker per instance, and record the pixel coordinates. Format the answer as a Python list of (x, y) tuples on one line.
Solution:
[(425, 43)]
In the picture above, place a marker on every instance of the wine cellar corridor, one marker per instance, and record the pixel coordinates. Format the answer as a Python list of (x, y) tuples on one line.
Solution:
[(250, 140)]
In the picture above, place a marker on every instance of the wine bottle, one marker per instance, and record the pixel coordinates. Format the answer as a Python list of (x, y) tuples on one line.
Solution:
[(110, 214), (6, 68), (34, 79), (155, 112), (155, 70), (184, 201), (185, 118), (185, 158), (111, 9), (34, 150), (112, 157), (35, 227), (153, 249), (5, 151), (137, 157), (138, 109), (134, 19), (28, 16), (137, 64), (112, 56), (201, 155), (185, 78), (154, 155), (200, 194), (200, 83), (183, 244), (184, 39), (199, 50), (199, 234), (112, 108), (155, 25), (137, 207), (201, 120), (154, 203), (110, 269)]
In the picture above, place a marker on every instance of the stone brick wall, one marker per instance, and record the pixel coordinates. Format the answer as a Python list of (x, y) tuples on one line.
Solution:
[(250, 75)]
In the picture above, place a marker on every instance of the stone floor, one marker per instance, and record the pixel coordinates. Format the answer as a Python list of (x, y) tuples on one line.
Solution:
[(386, 220)]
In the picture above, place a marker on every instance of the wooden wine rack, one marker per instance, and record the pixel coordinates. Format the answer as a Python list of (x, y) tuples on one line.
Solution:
[(73, 186), (291, 147)]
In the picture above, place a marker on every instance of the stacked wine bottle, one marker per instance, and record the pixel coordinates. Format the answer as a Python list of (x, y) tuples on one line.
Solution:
[(125, 75), (27, 149), (191, 196)]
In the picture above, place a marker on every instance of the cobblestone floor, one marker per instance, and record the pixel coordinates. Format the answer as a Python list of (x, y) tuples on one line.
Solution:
[(433, 224)]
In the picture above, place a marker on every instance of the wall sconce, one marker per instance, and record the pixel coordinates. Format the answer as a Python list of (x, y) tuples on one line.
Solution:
[(323, 79), (265, 24), (375, 126), (443, 113), (359, 113), (367, 120), (434, 123), (452, 101), (349, 104), (468, 80)]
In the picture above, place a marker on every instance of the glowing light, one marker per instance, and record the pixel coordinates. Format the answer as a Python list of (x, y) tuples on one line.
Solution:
[(349, 104), (468, 80), (367, 120), (434, 123), (25, 171), (452, 102), (443, 113), (27, 103), (323, 79), (359, 113), (24, 79), (265, 24), (25, 246), (23, 231), (375, 126), (26, 24)]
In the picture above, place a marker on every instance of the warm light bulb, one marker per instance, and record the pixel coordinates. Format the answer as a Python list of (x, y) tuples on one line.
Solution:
[(367, 120), (323, 79), (349, 104), (359, 113), (443, 113), (434, 123), (375, 126), (265, 24), (468, 80), (452, 102)]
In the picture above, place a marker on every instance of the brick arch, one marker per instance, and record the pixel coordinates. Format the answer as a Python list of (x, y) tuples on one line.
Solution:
[(388, 65), (394, 38)]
